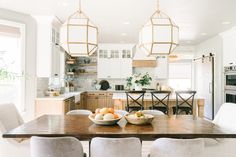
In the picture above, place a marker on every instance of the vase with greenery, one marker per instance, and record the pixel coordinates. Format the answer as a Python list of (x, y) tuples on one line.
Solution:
[(138, 81)]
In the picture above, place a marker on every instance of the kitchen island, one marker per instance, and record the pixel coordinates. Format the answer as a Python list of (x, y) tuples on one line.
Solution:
[(120, 102)]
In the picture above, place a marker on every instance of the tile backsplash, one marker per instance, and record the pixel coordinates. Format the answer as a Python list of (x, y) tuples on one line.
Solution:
[(42, 85)]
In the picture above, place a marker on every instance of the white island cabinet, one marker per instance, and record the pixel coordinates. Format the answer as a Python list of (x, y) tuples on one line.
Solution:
[(114, 61), (48, 49)]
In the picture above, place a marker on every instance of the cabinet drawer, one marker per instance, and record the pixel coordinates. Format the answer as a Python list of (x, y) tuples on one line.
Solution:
[(109, 94), (102, 94)]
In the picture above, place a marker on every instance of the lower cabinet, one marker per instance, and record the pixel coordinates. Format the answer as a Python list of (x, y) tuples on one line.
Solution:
[(93, 100), (53, 106)]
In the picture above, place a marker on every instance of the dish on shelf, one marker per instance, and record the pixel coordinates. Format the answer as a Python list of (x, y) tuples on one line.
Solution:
[(139, 118)]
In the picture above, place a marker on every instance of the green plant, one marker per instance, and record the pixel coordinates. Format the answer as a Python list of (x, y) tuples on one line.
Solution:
[(139, 79)]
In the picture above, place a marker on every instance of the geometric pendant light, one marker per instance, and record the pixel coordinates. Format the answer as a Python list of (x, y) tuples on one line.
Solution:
[(160, 35), (79, 36)]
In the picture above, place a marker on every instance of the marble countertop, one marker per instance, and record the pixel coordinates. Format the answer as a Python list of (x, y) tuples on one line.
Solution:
[(62, 96)]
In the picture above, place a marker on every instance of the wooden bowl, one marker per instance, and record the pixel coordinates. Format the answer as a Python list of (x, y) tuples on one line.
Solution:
[(104, 122), (147, 119)]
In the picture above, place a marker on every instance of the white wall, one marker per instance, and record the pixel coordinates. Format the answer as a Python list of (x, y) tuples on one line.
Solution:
[(213, 45), (30, 54), (229, 46)]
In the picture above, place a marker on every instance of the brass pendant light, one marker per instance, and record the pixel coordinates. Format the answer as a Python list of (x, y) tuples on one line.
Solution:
[(160, 35), (79, 36)]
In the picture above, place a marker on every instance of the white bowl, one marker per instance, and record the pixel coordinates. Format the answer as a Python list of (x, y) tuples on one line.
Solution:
[(104, 122), (147, 119)]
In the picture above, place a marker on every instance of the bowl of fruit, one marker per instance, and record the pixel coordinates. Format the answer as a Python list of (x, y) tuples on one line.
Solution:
[(139, 118), (105, 116)]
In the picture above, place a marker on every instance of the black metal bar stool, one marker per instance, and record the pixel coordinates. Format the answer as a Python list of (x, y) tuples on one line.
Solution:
[(184, 102), (135, 100), (160, 101)]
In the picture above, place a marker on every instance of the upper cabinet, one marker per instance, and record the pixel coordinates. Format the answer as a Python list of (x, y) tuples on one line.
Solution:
[(114, 61), (161, 70), (49, 53)]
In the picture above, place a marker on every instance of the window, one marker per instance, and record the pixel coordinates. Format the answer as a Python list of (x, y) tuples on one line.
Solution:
[(12, 80), (180, 75)]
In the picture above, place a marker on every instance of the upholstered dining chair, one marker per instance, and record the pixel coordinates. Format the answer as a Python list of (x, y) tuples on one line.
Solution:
[(10, 119), (167, 147), (134, 100), (79, 112), (56, 147), (224, 119), (115, 147), (153, 112), (160, 101)]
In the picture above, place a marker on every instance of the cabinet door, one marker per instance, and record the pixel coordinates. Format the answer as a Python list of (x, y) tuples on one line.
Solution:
[(103, 68), (161, 71), (102, 100), (110, 102), (66, 106), (92, 102), (125, 67), (83, 98), (114, 68)]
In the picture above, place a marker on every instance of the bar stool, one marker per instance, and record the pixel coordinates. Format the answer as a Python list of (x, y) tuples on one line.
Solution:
[(160, 101), (184, 102), (135, 100)]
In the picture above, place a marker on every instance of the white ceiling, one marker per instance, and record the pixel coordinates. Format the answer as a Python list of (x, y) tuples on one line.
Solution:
[(197, 19)]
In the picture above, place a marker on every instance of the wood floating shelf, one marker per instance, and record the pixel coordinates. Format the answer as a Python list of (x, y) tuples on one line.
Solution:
[(90, 64), (144, 63), (87, 73), (70, 73)]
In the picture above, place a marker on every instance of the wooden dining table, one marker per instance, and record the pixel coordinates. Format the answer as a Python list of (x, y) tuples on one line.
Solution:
[(180, 126)]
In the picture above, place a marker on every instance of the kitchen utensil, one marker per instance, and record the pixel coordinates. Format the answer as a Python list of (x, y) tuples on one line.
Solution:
[(104, 84)]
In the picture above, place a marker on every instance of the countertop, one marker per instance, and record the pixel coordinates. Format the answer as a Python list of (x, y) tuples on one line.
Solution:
[(76, 94)]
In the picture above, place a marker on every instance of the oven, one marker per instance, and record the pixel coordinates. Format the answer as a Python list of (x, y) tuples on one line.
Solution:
[(230, 78), (230, 96)]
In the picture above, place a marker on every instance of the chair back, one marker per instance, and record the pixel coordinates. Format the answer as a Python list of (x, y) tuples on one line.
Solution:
[(226, 117), (160, 100), (9, 117), (116, 147), (185, 99), (167, 147), (153, 112), (135, 100), (55, 147), (79, 112)]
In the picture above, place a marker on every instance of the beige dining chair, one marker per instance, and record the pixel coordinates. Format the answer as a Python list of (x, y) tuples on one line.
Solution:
[(79, 112), (153, 112), (10, 119), (167, 147), (56, 147), (224, 119), (115, 147)]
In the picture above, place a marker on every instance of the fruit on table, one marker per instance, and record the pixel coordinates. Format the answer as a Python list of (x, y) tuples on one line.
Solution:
[(105, 114), (139, 114), (104, 110), (99, 116), (108, 116)]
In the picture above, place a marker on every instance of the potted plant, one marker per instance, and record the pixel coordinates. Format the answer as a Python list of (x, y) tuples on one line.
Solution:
[(138, 81)]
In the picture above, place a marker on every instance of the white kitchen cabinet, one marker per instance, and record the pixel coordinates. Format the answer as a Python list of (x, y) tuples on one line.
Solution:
[(114, 61), (161, 71), (48, 49)]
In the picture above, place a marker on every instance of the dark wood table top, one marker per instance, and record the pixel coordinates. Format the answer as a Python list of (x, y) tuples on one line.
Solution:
[(82, 128)]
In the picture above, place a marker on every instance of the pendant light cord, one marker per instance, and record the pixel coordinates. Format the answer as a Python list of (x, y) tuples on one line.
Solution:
[(79, 5), (158, 6)]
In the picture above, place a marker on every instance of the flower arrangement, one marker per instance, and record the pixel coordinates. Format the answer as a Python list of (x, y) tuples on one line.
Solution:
[(138, 80)]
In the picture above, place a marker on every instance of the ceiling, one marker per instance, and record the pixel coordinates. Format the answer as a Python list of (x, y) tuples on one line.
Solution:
[(119, 21)]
